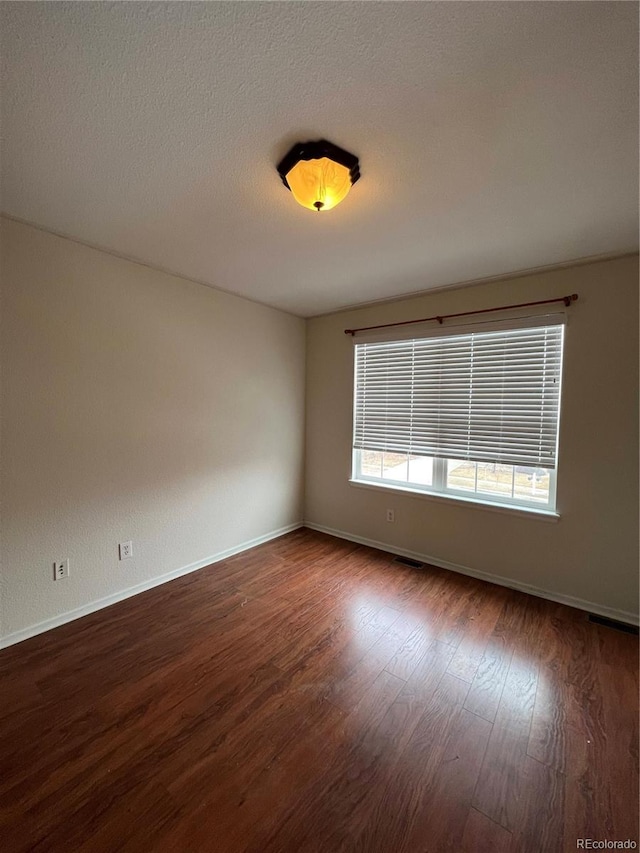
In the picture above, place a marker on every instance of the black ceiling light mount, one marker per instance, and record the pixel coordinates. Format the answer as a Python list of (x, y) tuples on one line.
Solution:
[(319, 174)]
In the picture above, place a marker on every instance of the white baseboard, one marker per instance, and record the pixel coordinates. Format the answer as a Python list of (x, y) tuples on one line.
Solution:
[(107, 601), (579, 603)]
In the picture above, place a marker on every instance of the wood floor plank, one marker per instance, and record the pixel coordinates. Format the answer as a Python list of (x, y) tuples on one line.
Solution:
[(321, 818), (224, 796), (540, 822), (480, 626), (588, 799), (245, 814), (410, 654), (566, 696), (345, 688), (488, 683), (499, 788), (313, 695), (482, 835), (440, 826), (398, 805), (619, 778)]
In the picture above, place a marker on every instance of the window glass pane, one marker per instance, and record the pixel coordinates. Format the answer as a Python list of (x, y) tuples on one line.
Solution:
[(531, 484), (520, 485), (495, 479), (370, 463), (461, 475), (394, 466), (421, 470)]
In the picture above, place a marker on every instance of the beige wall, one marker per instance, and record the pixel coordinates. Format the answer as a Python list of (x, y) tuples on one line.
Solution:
[(136, 405), (591, 553)]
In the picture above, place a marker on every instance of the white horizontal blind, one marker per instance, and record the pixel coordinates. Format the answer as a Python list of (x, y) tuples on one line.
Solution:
[(484, 396)]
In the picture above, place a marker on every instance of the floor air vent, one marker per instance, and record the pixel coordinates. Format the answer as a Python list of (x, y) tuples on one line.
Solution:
[(611, 623), (407, 561)]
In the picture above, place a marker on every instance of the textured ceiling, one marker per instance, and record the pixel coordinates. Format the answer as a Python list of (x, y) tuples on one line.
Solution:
[(493, 137)]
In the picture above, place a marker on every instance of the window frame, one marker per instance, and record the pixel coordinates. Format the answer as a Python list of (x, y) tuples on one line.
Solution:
[(439, 489)]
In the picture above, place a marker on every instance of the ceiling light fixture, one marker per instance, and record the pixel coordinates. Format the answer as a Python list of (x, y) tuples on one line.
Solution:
[(319, 174)]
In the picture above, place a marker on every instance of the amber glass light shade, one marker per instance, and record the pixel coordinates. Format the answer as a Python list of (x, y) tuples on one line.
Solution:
[(319, 184), (318, 173)]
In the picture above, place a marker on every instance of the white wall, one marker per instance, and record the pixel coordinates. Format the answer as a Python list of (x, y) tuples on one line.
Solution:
[(591, 553), (136, 405)]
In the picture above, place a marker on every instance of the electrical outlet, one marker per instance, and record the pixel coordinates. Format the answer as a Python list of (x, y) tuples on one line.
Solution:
[(126, 550), (391, 515), (61, 569)]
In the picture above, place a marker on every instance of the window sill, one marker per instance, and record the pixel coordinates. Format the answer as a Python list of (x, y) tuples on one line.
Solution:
[(535, 514)]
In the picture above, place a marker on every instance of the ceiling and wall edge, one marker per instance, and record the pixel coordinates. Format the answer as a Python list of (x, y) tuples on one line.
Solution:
[(132, 260), (476, 282), (458, 285)]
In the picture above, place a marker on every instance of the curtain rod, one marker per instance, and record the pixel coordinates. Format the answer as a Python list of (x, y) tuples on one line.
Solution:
[(440, 318)]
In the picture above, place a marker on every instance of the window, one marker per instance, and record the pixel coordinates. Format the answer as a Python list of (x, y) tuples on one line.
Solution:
[(470, 415)]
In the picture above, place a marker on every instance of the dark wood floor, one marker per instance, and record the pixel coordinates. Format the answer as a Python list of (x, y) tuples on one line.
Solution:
[(312, 695)]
